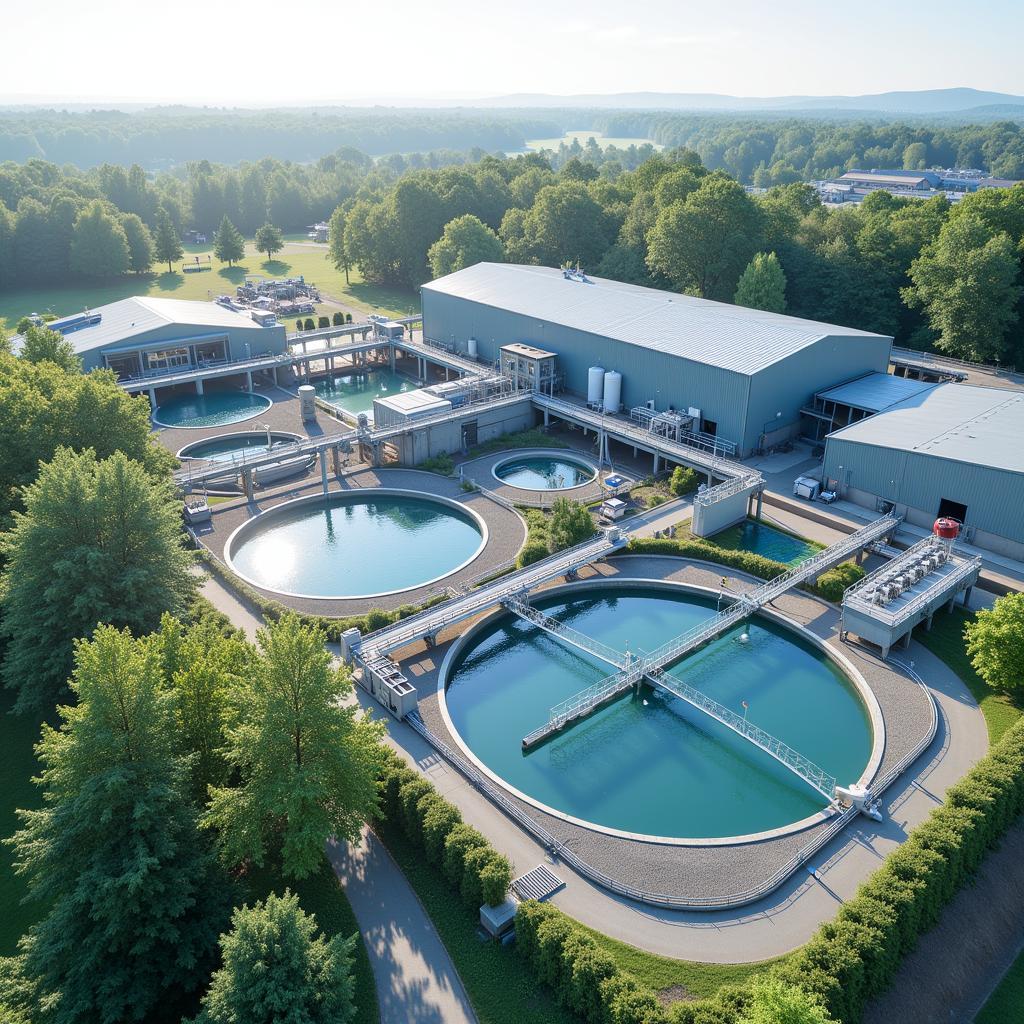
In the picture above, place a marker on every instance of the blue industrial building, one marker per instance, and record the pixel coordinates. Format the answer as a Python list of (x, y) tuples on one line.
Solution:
[(745, 373)]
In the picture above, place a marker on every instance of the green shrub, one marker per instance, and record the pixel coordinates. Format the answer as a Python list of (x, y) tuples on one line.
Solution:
[(348, 318), (654, 500), (532, 551), (441, 463), (307, 324), (409, 797), (438, 823), (457, 844), (377, 618), (570, 524), (495, 879), (298, 325), (473, 864), (322, 321), (337, 319), (833, 584), (683, 481)]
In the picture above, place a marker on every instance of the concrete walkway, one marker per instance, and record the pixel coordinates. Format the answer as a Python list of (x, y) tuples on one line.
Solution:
[(416, 980)]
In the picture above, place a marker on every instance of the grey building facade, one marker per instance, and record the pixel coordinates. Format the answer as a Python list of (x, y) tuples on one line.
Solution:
[(748, 372), (144, 336), (953, 449)]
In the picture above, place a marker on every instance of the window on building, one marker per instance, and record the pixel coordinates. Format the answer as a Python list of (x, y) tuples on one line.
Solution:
[(167, 358)]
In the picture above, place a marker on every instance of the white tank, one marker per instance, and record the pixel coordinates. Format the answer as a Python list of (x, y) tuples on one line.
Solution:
[(307, 402), (595, 384), (471, 347), (612, 391)]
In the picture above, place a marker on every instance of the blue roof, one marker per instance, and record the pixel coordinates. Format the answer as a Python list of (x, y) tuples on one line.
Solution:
[(875, 391)]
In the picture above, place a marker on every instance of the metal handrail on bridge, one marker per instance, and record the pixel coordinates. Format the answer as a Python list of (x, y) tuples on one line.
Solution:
[(519, 605)]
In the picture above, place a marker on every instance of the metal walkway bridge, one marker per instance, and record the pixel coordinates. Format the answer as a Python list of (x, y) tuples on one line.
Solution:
[(632, 670), (653, 664), (430, 622)]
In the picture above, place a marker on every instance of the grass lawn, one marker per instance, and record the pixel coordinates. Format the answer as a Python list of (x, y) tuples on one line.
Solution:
[(946, 641), (18, 734), (660, 974), (294, 260), (322, 896), (501, 986), (1006, 1004)]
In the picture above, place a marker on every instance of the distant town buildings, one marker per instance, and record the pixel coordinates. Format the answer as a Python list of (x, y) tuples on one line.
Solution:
[(952, 182)]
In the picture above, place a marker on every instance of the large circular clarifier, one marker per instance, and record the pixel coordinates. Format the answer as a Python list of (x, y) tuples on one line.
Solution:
[(350, 545), (652, 764), (213, 409), (544, 472)]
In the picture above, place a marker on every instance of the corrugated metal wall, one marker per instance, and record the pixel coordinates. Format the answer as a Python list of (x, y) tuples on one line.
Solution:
[(992, 496), (737, 403)]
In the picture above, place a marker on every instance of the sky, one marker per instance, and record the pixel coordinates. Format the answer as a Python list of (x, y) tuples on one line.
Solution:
[(265, 52)]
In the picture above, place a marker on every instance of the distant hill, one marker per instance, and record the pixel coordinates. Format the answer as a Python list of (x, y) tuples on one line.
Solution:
[(924, 101)]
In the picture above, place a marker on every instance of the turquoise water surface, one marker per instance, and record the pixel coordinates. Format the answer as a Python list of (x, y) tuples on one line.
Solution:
[(653, 764), (544, 472), (354, 545), (773, 544), (226, 449), (213, 409), (355, 392)]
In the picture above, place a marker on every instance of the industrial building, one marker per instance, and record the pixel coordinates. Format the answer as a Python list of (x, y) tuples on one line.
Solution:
[(143, 336), (953, 450), (740, 375)]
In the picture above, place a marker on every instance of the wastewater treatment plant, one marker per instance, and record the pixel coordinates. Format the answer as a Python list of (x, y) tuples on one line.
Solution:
[(682, 725)]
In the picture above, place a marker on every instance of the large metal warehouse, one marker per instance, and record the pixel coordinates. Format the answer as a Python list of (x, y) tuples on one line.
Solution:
[(748, 372), (950, 450)]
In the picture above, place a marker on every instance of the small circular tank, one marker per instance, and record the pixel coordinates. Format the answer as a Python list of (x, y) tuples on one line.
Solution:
[(612, 391), (595, 384)]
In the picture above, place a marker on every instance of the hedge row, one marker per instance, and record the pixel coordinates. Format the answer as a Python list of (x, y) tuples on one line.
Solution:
[(830, 584), (471, 865), (375, 618), (855, 956)]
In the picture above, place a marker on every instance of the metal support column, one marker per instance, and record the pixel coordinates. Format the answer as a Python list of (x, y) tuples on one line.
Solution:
[(323, 470), (760, 501), (199, 386), (248, 378), (247, 484), (657, 463), (152, 399)]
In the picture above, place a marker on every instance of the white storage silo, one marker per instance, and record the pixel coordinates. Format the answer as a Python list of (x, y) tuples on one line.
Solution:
[(612, 391), (595, 384), (471, 347)]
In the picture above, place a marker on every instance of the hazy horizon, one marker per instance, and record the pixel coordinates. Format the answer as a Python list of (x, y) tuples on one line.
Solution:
[(457, 52)]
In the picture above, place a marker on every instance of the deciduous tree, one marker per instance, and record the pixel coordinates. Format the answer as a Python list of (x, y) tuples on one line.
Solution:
[(995, 642), (133, 896), (465, 241), (99, 542), (40, 344), (269, 240), (571, 523), (306, 765), (99, 247), (337, 253), (140, 243), (277, 968), (763, 284)]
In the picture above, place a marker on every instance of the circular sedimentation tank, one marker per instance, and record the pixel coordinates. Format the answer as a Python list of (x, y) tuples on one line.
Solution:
[(213, 409), (537, 472), (649, 764), (230, 447), (356, 545)]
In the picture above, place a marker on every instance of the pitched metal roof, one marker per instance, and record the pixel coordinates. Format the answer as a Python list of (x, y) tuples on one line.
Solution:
[(875, 391), (983, 426), (126, 319), (731, 337)]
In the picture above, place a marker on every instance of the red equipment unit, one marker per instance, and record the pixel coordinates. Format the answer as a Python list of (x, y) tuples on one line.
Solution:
[(946, 529)]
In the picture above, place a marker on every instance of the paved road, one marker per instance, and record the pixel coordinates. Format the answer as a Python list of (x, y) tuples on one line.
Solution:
[(416, 980)]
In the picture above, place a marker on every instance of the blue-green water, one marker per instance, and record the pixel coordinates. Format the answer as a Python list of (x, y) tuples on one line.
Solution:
[(544, 472), (355, 392), (213, 409), (226, 449), (355, 545), (773, 544), (654, 764)]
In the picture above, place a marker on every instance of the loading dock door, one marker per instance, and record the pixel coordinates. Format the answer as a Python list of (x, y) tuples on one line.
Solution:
[(469, 435)]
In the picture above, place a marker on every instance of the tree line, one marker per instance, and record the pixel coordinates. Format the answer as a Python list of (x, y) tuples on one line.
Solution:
[(780, 150), (91, 138)]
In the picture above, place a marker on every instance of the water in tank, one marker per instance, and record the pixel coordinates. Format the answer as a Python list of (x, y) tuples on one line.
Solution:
[(471, 348), (612, 391), (595, 384)]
